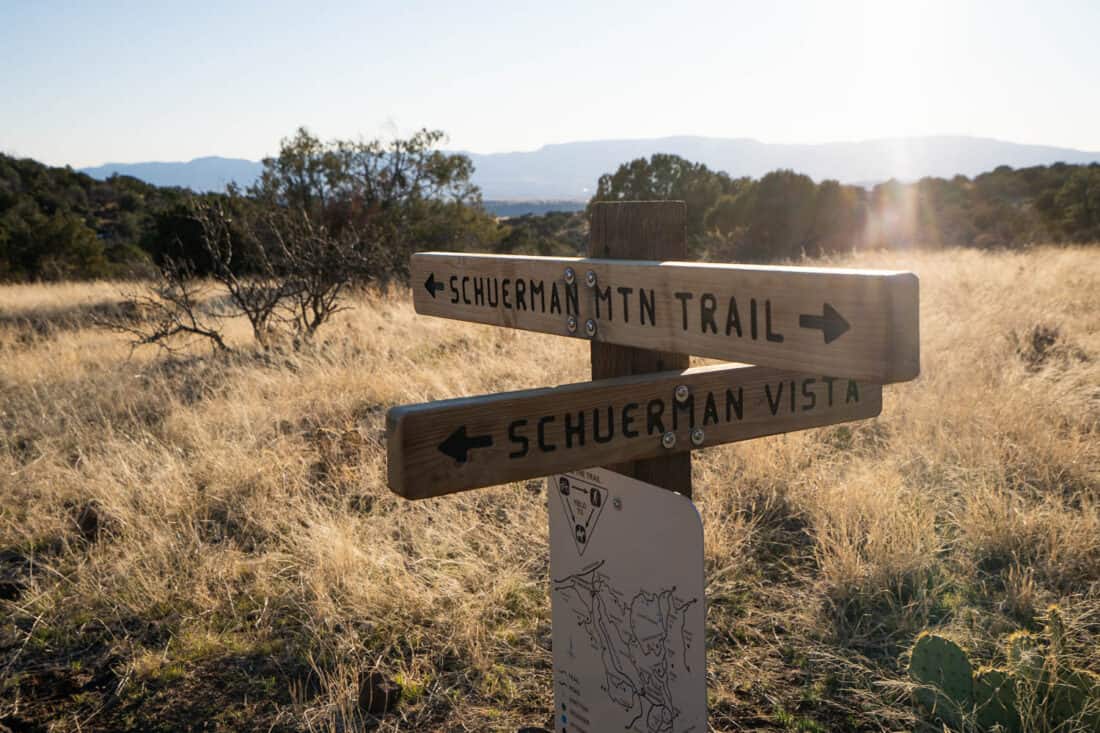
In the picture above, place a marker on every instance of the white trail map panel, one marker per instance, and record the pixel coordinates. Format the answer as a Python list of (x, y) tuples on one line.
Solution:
[(626, 570)]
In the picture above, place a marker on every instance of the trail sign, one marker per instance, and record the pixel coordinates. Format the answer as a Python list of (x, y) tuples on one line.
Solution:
[(626, 554), (861, 323), (627, 606), (441, 447)]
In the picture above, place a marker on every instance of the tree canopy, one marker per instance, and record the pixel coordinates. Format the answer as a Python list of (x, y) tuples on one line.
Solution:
[(396, 196), (406, 194), (786, 215), (57, 223), (668, 177)]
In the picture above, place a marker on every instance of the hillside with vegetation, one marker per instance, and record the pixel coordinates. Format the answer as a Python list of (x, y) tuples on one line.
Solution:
[(403, 195), (58, 224), (387, 197)]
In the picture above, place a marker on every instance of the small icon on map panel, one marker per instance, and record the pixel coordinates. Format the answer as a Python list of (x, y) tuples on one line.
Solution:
[(582, 503)]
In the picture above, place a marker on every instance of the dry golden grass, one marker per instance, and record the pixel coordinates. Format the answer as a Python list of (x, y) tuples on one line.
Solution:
[(210, 542)]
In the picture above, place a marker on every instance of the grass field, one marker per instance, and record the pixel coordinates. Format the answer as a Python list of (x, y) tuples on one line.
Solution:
[(208, 542)]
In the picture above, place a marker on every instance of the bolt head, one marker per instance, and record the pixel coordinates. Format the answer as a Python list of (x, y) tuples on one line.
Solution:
[(617, 503), (682, 393), (590, 327), (697, 436), (571, 324), (590, 279), (570, 275), (668, 440)]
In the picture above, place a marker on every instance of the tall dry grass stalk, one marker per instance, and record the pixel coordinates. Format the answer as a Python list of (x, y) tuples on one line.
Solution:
[(209, 541)]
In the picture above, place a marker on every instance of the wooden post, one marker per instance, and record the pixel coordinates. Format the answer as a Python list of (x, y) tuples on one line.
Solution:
[(642, 230)]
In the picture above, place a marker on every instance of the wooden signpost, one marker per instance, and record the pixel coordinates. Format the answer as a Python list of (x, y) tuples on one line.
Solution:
[(646, 231), (815, 346)]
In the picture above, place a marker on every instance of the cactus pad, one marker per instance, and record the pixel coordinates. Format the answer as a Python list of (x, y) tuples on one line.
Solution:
[(945, 673), (995, 701)]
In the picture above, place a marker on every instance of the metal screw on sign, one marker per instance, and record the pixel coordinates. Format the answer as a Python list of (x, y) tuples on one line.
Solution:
[(590, 279), (697, 436), (682, 393), (570, 276), (668, 440), (571, 324), (617, 503), (590, 327)]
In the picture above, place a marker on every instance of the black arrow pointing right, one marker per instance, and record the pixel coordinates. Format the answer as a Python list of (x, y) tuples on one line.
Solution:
[(458, 445), (432, 286), (831, 324)]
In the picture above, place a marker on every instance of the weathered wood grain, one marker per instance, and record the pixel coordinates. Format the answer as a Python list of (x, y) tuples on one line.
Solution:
[(862, 323), (442, 447)]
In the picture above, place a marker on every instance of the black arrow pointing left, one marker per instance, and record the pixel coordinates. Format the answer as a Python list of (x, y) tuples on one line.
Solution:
[(432, 286), (458, 445)]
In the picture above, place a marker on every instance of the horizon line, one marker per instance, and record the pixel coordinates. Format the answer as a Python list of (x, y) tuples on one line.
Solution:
[(890, 139)]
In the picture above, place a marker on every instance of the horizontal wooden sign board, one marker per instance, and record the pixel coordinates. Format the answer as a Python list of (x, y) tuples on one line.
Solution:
[(442, 447), (863, 323)]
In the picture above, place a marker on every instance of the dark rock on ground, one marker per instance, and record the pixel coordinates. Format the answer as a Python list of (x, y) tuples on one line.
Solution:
[(378, 694), (89, 521), (14, 569)]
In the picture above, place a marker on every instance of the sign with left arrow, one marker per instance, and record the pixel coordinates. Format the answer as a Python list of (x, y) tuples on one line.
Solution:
[(442, 447), (861, 323), (458, 445), (432, 286)]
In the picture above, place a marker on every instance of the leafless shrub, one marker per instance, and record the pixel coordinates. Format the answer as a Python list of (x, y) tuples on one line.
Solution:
[(170, 314), (278, 269), (244, 262), (1044, 345), (318, 267)]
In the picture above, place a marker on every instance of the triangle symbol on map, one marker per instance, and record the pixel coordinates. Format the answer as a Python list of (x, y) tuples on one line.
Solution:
[(583, 506)]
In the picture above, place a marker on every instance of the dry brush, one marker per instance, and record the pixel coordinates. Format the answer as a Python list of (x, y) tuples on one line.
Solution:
[(202, 540)]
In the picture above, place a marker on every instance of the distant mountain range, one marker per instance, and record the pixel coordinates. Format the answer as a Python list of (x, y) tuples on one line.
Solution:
[(201, 174), (569, 171)]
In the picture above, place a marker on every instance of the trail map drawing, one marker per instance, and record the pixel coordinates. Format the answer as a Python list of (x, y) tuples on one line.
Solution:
[(627, 603), (642, 640)]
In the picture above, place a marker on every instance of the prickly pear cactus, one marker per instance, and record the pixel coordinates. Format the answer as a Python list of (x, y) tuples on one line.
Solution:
[(1037, 680), (1055, 628), (946, 677), (1070, 694), (1054, 692), (995, 701), (1026, 659), (1019, 645)]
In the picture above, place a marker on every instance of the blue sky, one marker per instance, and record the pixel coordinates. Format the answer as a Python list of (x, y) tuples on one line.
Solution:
[(84, 83)]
